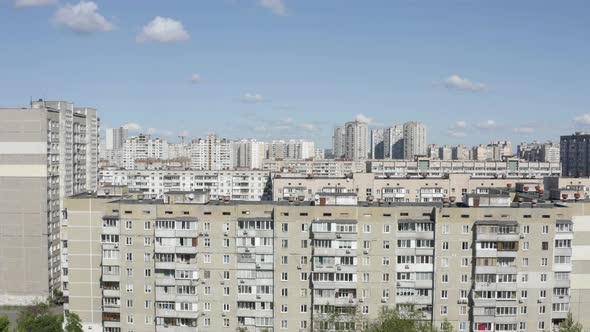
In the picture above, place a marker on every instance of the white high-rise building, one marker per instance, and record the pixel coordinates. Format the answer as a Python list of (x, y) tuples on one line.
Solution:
[(356, 141), (143, 147), (393, 142), (338, 142), (211, 153), (48, 152), (115, 138), (248, 153), (291, 149), (414, 139), (378, 147)]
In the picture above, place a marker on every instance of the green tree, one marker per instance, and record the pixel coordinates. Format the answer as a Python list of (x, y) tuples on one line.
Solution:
[(4, 324), (38, 318), (569, 325), (447, 326), (73, 323)]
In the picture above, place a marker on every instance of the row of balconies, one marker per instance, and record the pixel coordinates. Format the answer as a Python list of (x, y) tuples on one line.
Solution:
[(165, 249)]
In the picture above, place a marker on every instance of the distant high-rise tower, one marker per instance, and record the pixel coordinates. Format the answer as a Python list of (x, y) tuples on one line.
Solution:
[(356, 141), (393, 142), (116, 138), (575, 156), (338, 142), (378, 147), (414, 139)]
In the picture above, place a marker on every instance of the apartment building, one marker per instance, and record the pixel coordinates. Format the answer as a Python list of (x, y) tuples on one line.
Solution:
[(316, 167), (211, 153), (338, 142), (143, 147), (183, 263), (48, 152), (115, 138), (237, 185), (575, 159), (356, 140), (414, 140), (369, 187), (537, 151), (422, 167)]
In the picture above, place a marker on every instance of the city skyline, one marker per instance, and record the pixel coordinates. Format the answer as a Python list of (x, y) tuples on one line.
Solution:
[(300, 72)]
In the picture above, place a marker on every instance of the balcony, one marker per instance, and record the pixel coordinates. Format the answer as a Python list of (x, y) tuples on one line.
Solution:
[(111, 277), (187, 314), (165, 265), (192, 233), (186, 250), (164, 249), (166, 313), (111, 293), (165, 233), (165, 281)]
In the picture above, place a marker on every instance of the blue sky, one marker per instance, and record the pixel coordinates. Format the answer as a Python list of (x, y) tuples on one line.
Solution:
[(473, 71)]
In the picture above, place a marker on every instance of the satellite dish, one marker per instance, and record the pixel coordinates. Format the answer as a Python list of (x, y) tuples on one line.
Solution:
[(191, 196), (316, 196)]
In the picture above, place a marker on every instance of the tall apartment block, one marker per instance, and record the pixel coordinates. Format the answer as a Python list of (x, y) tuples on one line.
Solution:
[(211, 153), (414, 140), (47, 152), (356, 144), (536, 151), (186, 263), (115, 138), (338, 142), (142, 147), (575, 156)]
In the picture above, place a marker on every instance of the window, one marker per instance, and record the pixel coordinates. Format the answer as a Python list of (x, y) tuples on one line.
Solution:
[(284, 243), (545, 229), (225, 259), (445, 228), (443, 310), (444, 294), (207, 258), (284, 276), (303, 243), (445, 262), (444, 278), (366, 228), (386, 228), (128, 224), (386, 244), (147, 225), (465, 229), (445, 245), (544, 245), (464, 245), (285, 227), (284, 292)]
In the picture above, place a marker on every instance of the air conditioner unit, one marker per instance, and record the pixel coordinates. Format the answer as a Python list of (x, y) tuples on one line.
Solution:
[(245, 233), (298, 267), (258, 297), (521, 301), (398, 283), (383, 300), (407, 266), (348, 251), (540, 301), (339, 268), (242, 281), (202, 314), (247, 250), (222, 282), (366, 252), (200, 233), (459, 301), (338, 236), (522, 236), (202, 282), (206, 234), (224, 314)]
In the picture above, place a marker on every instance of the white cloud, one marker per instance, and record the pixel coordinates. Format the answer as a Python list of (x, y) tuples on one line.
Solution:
[(82, 18), (454, 133), (34, 3), (195, 78), (132, 126), (308, 126), (489, 124), (524, 130), (276, 6), (363, 118), (163, 30), (461, 124), (463, 84), (252, 98), (583, 119)]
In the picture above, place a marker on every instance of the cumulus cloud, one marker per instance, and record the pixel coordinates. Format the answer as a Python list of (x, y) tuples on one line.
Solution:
[(163, 30), (252, 98), (195, 78), (276, 6), (82, 18), (363, 118), (458, 83), (583, 119), (132, 126), (34, 3), (488, 124)]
